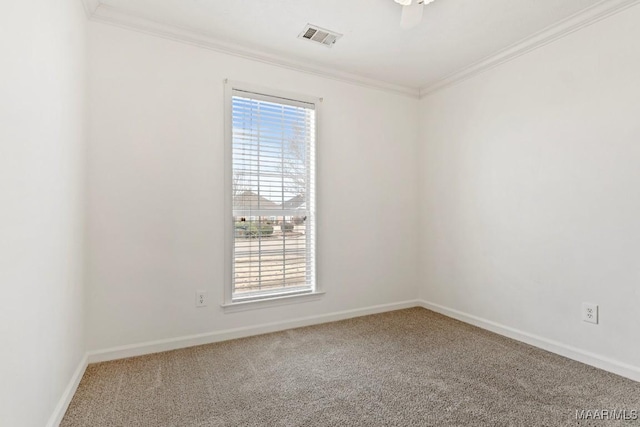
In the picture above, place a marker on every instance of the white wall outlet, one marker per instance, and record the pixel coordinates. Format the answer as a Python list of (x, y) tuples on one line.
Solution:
[(590, 312), (201, 299)]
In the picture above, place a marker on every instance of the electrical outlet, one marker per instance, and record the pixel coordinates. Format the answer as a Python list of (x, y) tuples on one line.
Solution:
[(201, 299), (590, 313)]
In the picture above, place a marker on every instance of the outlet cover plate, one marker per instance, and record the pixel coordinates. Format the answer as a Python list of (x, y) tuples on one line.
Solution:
[(590, 312), (201, 299)]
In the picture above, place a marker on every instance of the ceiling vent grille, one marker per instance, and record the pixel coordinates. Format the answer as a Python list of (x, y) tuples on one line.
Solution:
[(319, 35)]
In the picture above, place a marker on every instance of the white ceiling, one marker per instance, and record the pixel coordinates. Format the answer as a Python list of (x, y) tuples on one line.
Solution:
[(453, 35)]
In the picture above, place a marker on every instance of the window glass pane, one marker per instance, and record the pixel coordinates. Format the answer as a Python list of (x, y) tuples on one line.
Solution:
[(270, 254), (272, 188)]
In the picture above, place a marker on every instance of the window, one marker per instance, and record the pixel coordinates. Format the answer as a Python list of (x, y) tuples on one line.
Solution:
[(271, 205)]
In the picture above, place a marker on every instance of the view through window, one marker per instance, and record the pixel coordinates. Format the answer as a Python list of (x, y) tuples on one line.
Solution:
[(273, 147)]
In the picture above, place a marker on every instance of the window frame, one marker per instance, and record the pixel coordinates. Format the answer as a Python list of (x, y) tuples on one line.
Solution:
[(286, 297)]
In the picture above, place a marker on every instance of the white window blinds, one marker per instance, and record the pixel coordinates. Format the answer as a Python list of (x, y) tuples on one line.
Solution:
[(273, 161)]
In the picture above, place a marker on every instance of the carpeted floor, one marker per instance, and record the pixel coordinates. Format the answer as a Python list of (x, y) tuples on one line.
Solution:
[(405, 368)]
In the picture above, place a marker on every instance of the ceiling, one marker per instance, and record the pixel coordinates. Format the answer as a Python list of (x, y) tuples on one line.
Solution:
[(453, 34)]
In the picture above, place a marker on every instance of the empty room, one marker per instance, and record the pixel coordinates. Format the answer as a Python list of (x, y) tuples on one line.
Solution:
[(319, 213)]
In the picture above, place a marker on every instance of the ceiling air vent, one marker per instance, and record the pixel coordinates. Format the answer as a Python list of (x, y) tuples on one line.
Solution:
[(319, 35)]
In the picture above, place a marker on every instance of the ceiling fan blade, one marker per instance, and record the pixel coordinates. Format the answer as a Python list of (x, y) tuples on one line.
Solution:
[(411, 15)]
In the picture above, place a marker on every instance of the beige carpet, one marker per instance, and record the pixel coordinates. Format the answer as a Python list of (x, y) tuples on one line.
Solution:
[(405, 368)]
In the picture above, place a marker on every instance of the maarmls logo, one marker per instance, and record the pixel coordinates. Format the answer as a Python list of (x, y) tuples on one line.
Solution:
[(607, 414)]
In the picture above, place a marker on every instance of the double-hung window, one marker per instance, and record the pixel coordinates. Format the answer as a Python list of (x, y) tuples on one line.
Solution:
[(271, 196)]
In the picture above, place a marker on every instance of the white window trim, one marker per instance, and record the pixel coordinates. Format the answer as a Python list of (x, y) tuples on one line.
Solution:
[(271, 302), (228, 304)]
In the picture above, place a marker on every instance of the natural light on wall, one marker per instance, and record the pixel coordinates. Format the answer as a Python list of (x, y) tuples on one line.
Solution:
[(272, 185)]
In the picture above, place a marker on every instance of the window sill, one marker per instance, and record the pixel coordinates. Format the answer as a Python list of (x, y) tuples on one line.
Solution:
[(274, 301)]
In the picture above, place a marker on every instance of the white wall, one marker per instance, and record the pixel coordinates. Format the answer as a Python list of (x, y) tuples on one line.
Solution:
[(530, 191), (156, 190), (42, 94)]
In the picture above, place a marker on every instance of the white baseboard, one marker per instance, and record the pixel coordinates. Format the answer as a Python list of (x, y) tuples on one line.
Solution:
[(229, 334), (583, 356), (67, 395)]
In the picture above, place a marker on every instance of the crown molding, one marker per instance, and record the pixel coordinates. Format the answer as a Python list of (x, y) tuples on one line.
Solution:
[(90, 6), (113, 16), (551, 33)]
